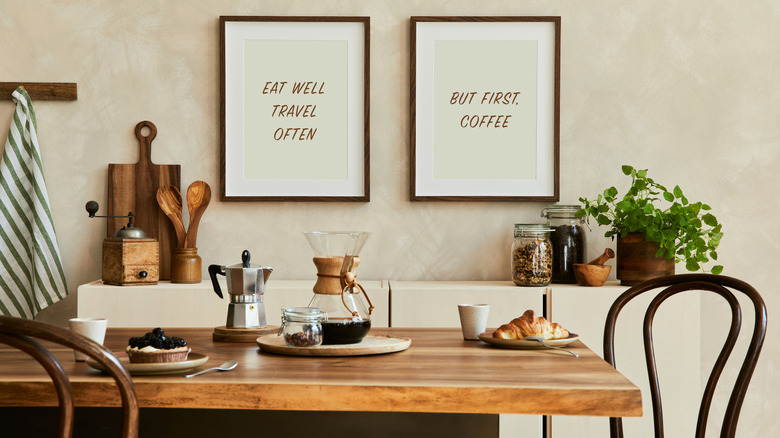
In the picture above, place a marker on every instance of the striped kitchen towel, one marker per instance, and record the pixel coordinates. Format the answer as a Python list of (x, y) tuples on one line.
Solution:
[(31, 274)]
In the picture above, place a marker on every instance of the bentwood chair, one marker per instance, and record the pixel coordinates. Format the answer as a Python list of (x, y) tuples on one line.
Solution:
[(22, 334), (665, 287)]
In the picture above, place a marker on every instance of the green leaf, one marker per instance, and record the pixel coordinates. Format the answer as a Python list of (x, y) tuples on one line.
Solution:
[(668, 196), (692, 265), (709, 219), (678, 192), (717, 269), (642, 173), (706, 207), (627, 170), (611, 192)]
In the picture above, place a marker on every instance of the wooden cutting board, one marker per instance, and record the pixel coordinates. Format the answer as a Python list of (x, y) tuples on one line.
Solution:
[(133, 188)]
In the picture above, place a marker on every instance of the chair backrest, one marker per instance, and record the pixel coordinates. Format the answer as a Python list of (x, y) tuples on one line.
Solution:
[(22, 334), (665, 287)]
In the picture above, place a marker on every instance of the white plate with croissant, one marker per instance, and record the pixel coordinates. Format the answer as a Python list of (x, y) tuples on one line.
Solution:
[(513, 335), (527, 345)]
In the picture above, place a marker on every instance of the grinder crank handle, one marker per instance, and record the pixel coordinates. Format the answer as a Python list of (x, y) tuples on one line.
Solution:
[(213, 271)]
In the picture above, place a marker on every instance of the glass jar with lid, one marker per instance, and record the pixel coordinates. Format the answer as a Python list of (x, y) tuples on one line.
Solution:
[(532, 256), (302, 326), (568, 240)]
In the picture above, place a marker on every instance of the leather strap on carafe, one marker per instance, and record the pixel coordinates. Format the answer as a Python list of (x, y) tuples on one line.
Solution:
[(349, 279)]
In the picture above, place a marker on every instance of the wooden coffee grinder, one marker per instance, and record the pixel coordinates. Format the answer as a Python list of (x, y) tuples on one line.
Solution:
[(129, 258)]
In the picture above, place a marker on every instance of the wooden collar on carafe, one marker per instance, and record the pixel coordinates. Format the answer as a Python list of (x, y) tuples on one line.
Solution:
[(348, 277)]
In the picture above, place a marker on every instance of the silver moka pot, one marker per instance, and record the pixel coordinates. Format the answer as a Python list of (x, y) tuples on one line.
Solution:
[(246, 283)]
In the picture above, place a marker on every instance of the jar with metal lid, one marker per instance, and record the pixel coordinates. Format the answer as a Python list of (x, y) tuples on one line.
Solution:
[(568, 240), (532, 256), (302, 326)]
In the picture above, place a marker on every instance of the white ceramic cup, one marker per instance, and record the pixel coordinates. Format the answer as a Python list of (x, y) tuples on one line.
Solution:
[(473, 319), (93, 328)]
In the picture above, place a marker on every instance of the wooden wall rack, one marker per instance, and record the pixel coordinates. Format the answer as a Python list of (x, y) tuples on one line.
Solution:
[(41, 90)]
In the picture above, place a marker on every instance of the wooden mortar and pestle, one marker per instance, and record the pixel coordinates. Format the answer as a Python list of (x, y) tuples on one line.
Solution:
[(596, 272)]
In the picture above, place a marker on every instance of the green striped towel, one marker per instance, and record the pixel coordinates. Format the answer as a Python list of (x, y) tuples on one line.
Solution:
[(31, 274)]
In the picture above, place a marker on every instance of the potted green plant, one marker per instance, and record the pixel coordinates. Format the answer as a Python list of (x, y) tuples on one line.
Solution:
[(652, 237)]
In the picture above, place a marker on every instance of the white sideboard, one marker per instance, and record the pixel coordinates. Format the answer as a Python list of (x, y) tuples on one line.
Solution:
[(169, 304), (434, 304)]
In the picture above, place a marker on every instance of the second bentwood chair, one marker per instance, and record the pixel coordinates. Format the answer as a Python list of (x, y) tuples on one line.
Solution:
[(665, 287), (22, 334)]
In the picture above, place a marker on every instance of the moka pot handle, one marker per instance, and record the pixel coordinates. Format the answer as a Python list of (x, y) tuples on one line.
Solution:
[(213, 271)]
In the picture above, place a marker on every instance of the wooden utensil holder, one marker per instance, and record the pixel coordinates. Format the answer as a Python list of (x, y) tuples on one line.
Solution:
[(186, 266)]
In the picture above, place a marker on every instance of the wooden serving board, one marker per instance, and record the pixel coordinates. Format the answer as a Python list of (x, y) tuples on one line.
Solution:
[(370, 345), (224, 334), (133, 188)]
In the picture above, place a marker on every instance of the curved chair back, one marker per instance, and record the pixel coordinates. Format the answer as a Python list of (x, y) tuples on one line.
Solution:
[(22, 334), (665, 287)]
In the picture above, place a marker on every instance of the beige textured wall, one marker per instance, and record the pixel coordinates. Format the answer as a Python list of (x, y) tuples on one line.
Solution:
[(687, 89)]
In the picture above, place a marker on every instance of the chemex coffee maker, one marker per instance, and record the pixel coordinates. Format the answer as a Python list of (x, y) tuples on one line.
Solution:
[(336, 292), (246, 318)]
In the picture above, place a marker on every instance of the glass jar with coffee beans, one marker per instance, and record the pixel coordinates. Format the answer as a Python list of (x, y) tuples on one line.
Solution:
[(532, 256), (568, 240), (302, 326)]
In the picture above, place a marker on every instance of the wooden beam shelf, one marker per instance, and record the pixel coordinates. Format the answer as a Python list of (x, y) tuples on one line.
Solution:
[(41, 90)]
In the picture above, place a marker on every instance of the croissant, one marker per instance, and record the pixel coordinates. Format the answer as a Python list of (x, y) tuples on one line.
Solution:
[(530, 325)]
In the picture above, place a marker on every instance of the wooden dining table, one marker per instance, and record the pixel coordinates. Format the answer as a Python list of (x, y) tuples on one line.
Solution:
[(440, 372)]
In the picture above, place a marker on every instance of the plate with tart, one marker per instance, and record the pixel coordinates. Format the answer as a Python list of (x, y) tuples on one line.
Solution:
[(193, 361), (513, 334), (156, 353)]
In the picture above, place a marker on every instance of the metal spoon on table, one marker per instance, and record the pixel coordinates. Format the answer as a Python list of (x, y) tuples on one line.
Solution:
[(227, 366), (540, 340)]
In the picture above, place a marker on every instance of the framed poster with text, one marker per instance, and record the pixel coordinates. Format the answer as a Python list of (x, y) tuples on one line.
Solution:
[(485, 100), (295, 108)]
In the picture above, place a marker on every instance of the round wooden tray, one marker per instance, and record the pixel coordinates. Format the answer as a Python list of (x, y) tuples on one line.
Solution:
[(224, 334), (368, 346)]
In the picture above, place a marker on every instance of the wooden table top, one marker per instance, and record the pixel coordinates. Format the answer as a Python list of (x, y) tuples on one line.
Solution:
[(440, 372)]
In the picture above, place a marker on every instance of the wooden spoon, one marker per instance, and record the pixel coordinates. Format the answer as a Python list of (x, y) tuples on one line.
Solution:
[(169, 199), (198, 198)]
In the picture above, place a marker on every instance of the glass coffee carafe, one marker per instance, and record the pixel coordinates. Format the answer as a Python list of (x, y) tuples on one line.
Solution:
[(336, 291)]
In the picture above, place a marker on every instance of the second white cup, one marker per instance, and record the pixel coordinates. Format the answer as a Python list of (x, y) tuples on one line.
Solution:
[(93, 328), (473, 319)]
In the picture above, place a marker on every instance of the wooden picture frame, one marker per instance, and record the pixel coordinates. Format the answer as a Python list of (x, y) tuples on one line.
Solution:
[(294, 108), (485, 105)]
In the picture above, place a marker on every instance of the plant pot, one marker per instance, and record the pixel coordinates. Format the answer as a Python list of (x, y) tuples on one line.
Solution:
[(636, 260)]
